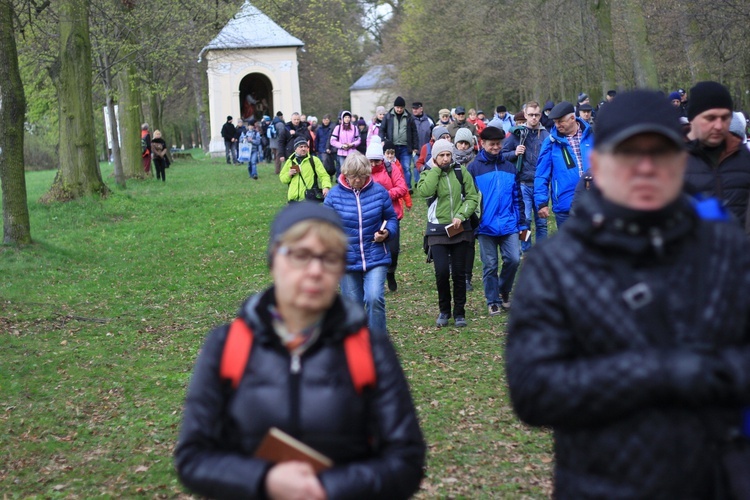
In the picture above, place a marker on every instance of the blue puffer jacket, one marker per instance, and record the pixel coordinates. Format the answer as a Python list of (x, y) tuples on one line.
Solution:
[(558, 167), (362, 213), (502, 203)]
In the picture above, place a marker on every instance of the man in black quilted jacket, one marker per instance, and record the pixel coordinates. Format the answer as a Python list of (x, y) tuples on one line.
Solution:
[(630, 329)]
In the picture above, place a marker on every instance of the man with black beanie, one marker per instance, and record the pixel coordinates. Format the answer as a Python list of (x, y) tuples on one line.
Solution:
[(398, 127), (227, 132), (719, 165)]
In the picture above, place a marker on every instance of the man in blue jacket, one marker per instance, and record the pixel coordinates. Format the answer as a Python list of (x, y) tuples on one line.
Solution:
[(502, 218), (562, 162)]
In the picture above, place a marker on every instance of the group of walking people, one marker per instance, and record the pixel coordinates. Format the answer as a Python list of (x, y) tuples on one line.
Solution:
[(629, 335)]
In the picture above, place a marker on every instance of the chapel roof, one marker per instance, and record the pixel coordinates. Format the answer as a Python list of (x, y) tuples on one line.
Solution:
[(252, 29), (377, 77)]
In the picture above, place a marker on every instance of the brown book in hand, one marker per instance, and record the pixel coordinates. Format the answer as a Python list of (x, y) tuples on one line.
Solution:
[(452, 231), (278, 446)]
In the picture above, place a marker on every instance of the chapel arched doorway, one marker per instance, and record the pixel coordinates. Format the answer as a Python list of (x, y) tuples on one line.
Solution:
[(256, 96)]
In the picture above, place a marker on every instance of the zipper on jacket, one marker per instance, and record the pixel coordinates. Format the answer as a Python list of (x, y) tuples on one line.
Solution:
[(657, 241), (361, 235), (295, 369), (450, 192)]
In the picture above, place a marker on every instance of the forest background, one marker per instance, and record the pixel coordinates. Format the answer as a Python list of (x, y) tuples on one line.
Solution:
[(66, 60), (477, 53)]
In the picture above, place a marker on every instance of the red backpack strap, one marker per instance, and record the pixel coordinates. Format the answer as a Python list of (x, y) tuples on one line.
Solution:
[(359, 358), (236, 352)]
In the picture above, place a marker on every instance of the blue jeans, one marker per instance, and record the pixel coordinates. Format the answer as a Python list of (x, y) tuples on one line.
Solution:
[(560, 218), (252, 165), (530, 208), (509, 251), (416, 170), (368, 288), (403, 154)]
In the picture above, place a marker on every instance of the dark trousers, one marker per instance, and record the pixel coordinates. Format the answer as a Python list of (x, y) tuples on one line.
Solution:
[(160, 170), (445, 258), (393, 247), (230, 154), (470, 253)]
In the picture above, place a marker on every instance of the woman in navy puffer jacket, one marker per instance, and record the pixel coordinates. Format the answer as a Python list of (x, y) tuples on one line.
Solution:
[(369, 221)]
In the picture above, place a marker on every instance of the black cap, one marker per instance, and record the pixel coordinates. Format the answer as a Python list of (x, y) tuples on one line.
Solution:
[(300, 140), (416, 104), (500, 109), (637, 112), (460, 110), (399, 101), (585, 107), (611, 93), (492, 134), (561, 109), (708, 95), (298, 212)]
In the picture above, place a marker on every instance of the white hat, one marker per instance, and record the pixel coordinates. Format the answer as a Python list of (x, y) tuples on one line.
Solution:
[(375, 149)]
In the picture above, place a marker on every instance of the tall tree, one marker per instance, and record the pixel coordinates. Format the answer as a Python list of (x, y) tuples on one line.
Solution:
[(602, 10), (130, 119), (79, 173), (16, 224)]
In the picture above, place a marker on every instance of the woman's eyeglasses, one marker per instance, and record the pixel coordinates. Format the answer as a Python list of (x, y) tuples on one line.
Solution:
[(300, 258)]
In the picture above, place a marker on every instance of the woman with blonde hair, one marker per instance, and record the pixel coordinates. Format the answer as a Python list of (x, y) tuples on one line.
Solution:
[(369, 221), (159, 152)]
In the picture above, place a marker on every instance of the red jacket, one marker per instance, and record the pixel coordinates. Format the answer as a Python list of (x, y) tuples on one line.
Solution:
[(394, 183)]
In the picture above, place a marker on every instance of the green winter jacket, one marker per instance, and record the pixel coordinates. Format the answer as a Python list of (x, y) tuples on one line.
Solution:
[(446, 189), (306, 178)]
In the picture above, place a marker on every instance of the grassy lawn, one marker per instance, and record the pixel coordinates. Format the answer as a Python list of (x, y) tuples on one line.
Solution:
[(102, 318)]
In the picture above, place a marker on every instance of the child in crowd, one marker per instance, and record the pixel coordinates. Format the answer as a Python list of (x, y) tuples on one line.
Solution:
[(389, 151)]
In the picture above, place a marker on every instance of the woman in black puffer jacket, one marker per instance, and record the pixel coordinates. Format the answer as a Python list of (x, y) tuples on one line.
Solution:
[(298, 380)]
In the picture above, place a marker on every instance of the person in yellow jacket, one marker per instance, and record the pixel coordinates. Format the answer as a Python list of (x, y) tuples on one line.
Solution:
[(305, 174)]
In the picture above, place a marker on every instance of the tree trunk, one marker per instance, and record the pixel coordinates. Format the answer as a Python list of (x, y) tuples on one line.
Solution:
[(130, 121), (602, 10), (16, 225), (644, 67), (79, 173), (692, 44), (154, 106), (114, 126), (197, 83)]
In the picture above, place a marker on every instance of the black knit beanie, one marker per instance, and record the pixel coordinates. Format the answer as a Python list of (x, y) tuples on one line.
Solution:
[(298, 212), (708, 95), (399, 102)]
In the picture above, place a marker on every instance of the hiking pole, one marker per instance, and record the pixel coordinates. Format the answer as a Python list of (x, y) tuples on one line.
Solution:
[(522, 133)]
